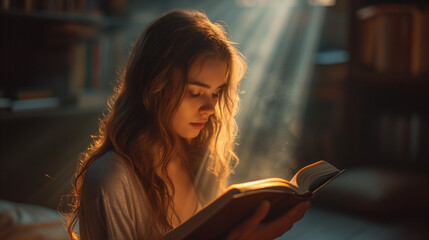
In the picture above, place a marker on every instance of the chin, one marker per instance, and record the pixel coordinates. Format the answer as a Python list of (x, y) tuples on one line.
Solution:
[(190, 135)]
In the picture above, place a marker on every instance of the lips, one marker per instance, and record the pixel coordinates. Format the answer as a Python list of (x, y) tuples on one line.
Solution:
[(199, 125)]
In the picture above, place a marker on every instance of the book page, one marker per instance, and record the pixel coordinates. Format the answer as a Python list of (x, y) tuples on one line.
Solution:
[(314, 175)]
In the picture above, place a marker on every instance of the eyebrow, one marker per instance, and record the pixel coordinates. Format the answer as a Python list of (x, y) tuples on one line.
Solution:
[(204, 85)]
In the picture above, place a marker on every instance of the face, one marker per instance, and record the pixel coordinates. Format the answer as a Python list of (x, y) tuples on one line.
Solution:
[(206, 80)]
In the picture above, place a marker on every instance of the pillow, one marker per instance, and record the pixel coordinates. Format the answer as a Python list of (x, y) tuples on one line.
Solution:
[(25, 221), (377, 193)]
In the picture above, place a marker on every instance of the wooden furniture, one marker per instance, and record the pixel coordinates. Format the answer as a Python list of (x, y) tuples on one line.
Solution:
[(58, 65), (387, 95)]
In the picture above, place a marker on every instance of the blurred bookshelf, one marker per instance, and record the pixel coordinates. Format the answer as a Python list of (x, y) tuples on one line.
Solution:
[(61, 54), (368, 103), (94, 18), (59, 61), (387, 118)]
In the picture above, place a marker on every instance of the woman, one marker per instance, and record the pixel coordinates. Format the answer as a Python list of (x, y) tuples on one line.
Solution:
[(166, 146)]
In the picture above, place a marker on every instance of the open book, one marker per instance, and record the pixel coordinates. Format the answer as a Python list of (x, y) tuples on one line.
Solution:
[(239, 202)]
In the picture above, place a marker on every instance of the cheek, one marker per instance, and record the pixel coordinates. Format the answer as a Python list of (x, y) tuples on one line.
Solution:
[(184, 113), (189, 107)]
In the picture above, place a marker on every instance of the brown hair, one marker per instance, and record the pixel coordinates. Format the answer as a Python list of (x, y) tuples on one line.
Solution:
[(148, 94)]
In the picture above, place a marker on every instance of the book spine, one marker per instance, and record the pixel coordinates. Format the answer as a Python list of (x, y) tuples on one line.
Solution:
[(5, 4), (416, 44), (105, 62), (401, 43), (96, 71), (82, 6), (77, 69), (89, 64), (368, 30), (424, 46), (379, 58), (424, 140), (414, 137)]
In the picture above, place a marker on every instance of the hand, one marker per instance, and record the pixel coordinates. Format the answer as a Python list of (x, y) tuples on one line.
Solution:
[(253, 229)]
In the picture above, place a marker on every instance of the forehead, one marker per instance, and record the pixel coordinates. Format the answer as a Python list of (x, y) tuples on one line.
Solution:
[(209, 71)]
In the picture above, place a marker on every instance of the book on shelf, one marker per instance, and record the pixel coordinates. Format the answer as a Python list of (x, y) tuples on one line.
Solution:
[(92, 98), (52, 5), (393, 48), (35, 104), (77, 68), (239, 201), (34, 99), (420, 46), (399, 137), (108, 7), (89, 68), (393, 39), (75, 53)]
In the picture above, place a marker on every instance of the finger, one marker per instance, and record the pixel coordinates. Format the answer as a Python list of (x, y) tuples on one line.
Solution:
[(251, 223), (301, 210), (296, 213), (260, 213), (279, 226), (302, 206)]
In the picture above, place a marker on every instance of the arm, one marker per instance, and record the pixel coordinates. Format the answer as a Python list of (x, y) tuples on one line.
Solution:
[(253, 229)]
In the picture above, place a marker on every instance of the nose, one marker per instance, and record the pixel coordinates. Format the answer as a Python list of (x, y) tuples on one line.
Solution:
[(208, 107)]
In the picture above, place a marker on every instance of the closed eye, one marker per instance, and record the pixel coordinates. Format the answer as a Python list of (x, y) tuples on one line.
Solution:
[(218, 92), (196, 92)]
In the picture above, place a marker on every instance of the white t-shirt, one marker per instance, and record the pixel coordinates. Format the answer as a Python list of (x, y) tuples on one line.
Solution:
[(113, 204)]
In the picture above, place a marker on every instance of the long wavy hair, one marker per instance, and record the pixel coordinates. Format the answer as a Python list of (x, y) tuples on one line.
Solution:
[(148, 94)]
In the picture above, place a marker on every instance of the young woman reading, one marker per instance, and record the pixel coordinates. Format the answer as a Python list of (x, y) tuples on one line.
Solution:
[(166, 146)]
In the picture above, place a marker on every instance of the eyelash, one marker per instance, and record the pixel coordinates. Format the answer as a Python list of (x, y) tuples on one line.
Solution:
[(200, 93), (195, 94)]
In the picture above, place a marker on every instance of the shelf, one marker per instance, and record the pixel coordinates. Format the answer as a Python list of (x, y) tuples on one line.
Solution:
[(51, 112), (80, 18), (405, 94), (370, 80)]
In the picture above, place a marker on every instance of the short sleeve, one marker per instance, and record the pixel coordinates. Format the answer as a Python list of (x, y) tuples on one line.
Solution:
[(112, 202)]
